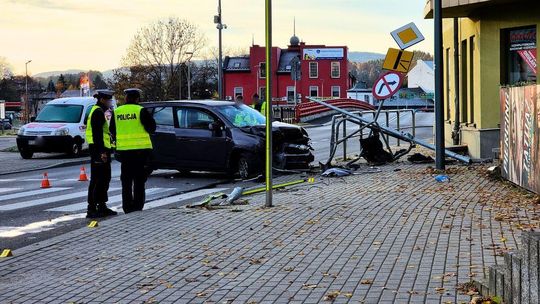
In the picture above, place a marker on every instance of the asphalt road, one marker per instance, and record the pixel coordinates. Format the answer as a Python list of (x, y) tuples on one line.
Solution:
[(29, 214)]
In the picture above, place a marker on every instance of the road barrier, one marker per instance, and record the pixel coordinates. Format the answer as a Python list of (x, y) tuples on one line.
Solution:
[(312, 110)]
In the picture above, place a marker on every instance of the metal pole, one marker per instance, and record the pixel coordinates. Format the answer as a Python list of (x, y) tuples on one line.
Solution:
[(345, 137), (455, 134), (26, 93), (220, 59), (180, 83), (439, 98), (269, 155), (189, 80)]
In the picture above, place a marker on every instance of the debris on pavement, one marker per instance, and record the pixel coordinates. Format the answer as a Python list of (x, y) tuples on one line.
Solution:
[(441, 178), (336, 172), (235, 194), (418, 158)]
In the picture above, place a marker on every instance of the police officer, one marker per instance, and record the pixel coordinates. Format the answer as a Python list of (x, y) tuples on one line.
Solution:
[(258, 104), (99, 141), (131, 126)]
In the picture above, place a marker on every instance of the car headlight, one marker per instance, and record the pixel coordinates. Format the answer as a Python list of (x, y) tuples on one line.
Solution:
[(62, 132), (21, 131)]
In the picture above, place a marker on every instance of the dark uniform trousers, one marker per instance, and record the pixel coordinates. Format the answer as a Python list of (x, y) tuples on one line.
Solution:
[(100, 177), (133, 179)]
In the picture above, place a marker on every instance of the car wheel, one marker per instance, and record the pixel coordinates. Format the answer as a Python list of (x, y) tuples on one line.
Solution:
[(26, 154), (246, 165)]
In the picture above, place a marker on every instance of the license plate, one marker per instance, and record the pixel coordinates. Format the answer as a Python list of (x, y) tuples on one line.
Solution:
[(31, 142)]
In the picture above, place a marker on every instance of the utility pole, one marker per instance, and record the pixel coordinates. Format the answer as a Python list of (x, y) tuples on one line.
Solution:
[(26, 93), (220, 26), (269, 119), (189, 74), (439, 97)]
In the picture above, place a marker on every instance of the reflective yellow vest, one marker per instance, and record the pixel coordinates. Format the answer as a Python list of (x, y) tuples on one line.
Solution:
[(263, 108), (90, 135), (130, 132)]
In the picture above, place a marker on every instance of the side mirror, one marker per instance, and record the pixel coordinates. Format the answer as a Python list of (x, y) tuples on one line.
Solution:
[(32, 119)]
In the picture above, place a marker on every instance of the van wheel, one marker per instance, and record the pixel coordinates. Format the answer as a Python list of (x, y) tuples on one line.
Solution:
[(247, 165), (26, 154), (76, 150)]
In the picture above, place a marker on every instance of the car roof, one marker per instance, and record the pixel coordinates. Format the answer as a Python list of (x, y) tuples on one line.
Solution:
[(73, 101), (206, 102)]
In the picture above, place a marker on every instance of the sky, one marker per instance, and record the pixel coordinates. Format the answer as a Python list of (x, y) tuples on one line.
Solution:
[(69, 34)]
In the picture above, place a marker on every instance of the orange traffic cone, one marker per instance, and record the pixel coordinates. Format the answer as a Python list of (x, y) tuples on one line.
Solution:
[(82, 175), (45, 181)]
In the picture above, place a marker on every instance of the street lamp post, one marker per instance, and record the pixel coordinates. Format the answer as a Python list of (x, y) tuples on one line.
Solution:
[(26, 92), (269, 119), (189, 74), (220, 26)]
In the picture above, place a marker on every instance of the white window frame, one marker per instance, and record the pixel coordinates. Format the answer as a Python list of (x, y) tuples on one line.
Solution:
[(289, 90), (338, 91), (338, 64), (311, 88), (316, 65), (236, 90), (261, 74)]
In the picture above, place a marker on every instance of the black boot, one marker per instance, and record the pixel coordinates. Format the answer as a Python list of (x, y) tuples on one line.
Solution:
[(91, 212), (104, 211)]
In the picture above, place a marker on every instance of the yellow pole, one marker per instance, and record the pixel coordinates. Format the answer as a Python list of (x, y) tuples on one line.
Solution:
[(269, 119)]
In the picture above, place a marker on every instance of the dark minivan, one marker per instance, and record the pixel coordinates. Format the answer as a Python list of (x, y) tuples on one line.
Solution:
[(221, 136)]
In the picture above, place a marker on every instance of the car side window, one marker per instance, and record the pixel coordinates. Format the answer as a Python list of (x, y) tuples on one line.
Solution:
[(164, 116), (194, 119)]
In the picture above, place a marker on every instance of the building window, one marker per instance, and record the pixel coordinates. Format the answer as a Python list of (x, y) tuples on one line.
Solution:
[(262, 70), (290, 94), (335, 72), (262, 93), (464, 81), (366, 98), (518, 62), (238, 91), (314, 91), (471, 79), (313, 70), (336, 91), (447, 84)]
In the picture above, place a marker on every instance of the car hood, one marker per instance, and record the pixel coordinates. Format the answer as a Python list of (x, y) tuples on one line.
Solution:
[(280, 132)]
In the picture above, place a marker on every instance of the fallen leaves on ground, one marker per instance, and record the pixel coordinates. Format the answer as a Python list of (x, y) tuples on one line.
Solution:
[(366, 282), (331, 296)]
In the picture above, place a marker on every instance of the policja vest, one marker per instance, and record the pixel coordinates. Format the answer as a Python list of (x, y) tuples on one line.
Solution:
[(90, 134), (130, 132)]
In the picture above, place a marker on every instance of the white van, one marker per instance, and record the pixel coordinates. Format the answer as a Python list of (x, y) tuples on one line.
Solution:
[(59, 127)]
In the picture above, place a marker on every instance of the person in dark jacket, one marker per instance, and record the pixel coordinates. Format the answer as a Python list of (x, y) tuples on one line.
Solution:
[(99, 142), (131, 126)]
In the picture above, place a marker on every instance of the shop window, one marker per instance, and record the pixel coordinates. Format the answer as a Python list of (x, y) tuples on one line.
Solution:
[(313, 70), (335, 71), (518, 62)]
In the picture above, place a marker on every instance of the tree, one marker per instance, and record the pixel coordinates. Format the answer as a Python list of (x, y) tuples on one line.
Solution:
[(61, 84), (98, 82), (51, 87), (5, 69), (159, 51)]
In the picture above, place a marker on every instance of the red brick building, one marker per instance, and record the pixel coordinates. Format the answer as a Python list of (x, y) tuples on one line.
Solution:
[(324, 72)]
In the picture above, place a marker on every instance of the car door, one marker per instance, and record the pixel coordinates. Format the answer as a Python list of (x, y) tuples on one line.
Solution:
[(202, 148), (164, 152)]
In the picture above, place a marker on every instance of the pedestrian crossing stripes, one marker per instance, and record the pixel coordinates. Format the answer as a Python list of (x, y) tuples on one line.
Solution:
[(4, 190), (44, 201), (114, 201), (32, 193)]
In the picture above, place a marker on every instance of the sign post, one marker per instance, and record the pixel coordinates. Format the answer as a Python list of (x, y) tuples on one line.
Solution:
[(2, 113), (269, 111)]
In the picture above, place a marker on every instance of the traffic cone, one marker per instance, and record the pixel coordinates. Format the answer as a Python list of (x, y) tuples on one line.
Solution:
[(45, 181), (82, 175)]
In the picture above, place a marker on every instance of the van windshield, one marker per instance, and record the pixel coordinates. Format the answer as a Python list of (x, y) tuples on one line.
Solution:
[(60, 113)]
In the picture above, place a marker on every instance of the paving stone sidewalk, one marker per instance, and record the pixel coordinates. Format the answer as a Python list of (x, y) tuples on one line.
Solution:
[(390, 237)]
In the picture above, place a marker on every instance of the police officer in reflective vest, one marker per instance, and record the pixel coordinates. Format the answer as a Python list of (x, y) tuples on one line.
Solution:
[(258, 104), (99, 142), (131, 126)]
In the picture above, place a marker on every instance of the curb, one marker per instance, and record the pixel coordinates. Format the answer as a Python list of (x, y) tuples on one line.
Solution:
[(59, 165)]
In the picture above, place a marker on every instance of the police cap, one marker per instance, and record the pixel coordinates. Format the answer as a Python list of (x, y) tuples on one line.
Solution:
[(133, 92), (104, 93)]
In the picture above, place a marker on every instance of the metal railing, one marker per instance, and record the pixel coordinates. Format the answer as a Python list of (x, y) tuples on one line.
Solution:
[(285, 113), (391, 118)]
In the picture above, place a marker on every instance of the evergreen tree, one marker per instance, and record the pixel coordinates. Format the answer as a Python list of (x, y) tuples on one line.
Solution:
[(51, 87), (98, 82), (61, 84)]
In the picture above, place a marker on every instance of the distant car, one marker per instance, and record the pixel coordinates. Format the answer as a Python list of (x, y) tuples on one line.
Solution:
[(208, 136), (59, 127), (5, 124)]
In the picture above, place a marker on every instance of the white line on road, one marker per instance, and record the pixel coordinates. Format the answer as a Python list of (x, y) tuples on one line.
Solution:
[(181, 197), (113, 201), (48, 200), (4, 190), (31, 193)]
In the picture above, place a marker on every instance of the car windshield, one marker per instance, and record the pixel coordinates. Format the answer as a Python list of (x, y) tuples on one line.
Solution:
[(242, 116), (60, 113)]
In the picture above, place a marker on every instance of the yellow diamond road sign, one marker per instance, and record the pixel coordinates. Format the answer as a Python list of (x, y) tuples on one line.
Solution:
[(407, 36), (398, 60)]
